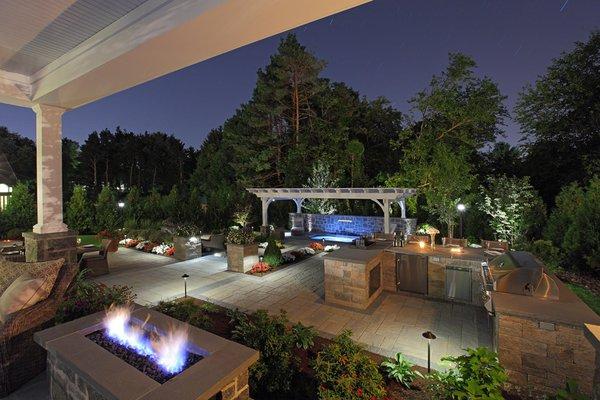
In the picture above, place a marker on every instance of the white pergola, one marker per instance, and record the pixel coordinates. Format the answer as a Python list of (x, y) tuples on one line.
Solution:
[(384, 197), (57, 55)]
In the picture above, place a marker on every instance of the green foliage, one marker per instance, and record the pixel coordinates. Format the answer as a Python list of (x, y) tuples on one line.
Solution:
[(79, 215), (547, 252), (512, 205), (401, 370), (475, 375), (237, 235), (107, 216), (153, 206), (573, 225), (242, 216), (87, 297), (268, 334), (305, 336), (345, 372), (187, 311), (272, 254), (173, 206), (320, 177), (20, 212), (570, 392), (559, 115), (133, 210)]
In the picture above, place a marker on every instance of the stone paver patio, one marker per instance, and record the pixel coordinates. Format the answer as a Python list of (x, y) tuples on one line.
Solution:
[(393, 323)]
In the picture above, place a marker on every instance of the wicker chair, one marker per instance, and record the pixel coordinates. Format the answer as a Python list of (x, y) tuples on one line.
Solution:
[(13, 253), (21, 359), (97, 264)]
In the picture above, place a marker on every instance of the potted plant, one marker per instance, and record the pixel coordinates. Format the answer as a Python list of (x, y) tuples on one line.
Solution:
[(186, 242), (242, 251)]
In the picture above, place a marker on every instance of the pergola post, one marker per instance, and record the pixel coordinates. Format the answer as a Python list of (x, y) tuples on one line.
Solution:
[(402, 204), (298, 205), (386, 216), (50, 238), (265, 210)]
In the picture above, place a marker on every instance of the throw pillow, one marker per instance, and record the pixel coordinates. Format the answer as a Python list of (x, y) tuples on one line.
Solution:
[(24, 292), (10, 270)]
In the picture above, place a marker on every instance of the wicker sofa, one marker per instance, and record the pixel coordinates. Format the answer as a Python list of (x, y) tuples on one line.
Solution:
[(21, 359)]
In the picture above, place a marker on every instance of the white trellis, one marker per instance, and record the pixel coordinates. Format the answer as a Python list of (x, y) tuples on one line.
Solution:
[(384, 197)]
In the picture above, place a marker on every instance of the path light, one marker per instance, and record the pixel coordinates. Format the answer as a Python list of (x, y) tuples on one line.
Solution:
[(461, 210), (421, 244), (121, 204), (429, 336), (261, 258), (185, 276)]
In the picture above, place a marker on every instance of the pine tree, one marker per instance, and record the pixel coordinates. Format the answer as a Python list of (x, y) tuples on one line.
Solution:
[(20, 212), (107, 217), (79, 214), (320, 178)]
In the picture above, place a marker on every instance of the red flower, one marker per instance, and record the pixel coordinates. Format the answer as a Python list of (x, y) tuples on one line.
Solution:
[(359, 392)]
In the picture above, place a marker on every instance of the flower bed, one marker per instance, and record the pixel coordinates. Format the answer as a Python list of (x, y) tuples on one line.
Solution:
[(262, 268), (163, 249)]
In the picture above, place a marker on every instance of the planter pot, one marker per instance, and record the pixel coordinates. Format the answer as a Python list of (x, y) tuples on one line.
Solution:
[(241, 258), (186, 248)]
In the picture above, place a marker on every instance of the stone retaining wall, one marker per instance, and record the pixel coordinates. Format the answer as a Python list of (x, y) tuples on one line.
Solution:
[(352, 224), (539, 356)]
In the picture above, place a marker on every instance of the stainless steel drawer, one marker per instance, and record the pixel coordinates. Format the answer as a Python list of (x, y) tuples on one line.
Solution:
[(458, 283)]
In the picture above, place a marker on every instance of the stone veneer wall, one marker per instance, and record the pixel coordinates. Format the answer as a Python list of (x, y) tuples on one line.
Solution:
[(352, 224), (347, 283), (539, 356), (67, 384)]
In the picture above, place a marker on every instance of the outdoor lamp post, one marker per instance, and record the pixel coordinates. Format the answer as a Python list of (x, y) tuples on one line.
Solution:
[(429, 336), (461, 210), (185, 276)]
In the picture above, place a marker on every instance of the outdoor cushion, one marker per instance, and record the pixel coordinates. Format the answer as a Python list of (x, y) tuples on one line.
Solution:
[(24, 292), (205, 237), (10, 270)]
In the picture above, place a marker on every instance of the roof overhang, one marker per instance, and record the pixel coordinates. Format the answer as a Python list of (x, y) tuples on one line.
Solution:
[(154, 39)]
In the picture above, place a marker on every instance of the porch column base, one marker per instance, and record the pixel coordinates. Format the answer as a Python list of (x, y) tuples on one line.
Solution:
[(51, 246)]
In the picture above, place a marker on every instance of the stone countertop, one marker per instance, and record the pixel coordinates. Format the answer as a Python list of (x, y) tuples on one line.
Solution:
[(569, 309), (468, 253), (359, 256)]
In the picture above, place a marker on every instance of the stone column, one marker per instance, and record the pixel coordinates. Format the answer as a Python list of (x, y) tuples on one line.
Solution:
[(51, 237)]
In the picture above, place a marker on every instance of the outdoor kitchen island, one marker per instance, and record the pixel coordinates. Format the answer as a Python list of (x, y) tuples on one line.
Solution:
[(355, 277)]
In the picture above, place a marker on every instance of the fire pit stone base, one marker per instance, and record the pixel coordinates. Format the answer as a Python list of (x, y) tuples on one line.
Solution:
[(80, 369)]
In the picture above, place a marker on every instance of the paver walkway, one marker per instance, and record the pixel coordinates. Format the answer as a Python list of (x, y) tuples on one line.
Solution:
[(393, 323)]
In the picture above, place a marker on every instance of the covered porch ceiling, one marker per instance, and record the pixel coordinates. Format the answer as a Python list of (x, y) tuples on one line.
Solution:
[(67, 53)]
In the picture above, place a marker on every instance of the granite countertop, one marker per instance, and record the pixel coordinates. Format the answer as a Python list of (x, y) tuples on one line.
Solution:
[(468, 253), (357, 255)]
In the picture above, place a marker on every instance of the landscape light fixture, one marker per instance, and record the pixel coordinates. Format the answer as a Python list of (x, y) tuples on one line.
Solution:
[(261, 258), (461, 210), (185, 276), (421, 244), (121, 204), (429, 336)]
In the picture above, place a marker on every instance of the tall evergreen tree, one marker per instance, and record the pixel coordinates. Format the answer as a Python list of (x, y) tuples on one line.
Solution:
[(79, 214)]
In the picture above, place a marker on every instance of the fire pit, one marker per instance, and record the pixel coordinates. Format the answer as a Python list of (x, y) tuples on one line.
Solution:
[(142, 354)]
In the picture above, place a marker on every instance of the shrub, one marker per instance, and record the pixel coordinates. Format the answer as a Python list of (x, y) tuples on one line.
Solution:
[(345, 372), (260, 267), (305, 336), (20, 211), (268, 334), (477, 374), (570, 392), (187, 311), (107, 217), (547, 252), (241, 236), (272, 255), (317, 246), (401, 370), (86, 297), (79, 214)]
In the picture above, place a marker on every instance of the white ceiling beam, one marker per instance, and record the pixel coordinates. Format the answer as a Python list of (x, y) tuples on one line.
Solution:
[(160, 37)]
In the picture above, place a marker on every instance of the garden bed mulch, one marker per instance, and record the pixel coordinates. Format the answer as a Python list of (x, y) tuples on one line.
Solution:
[(591, 283), (304, 383), (283, 266)]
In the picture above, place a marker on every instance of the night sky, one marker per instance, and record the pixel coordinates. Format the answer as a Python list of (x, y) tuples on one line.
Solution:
[(386, 48)]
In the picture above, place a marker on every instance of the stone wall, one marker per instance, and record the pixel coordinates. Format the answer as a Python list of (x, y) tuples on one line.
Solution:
[(352, 224), (67, 384), (539, 356), (51, 246)]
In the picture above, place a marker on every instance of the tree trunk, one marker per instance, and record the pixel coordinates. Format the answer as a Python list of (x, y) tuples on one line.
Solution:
[(95, 169), (296, 101)]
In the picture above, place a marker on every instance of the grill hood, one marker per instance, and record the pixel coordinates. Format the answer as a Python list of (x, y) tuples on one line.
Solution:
[(520, 272)]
